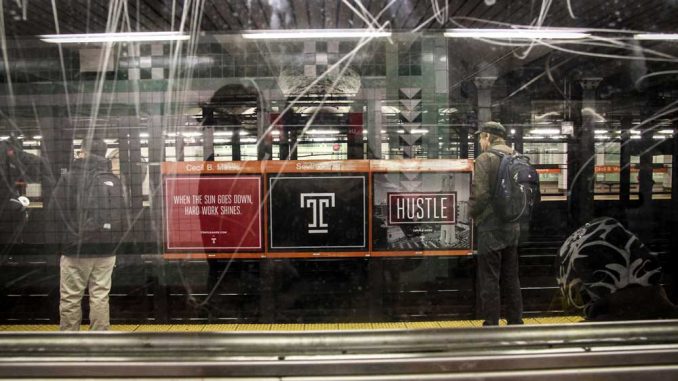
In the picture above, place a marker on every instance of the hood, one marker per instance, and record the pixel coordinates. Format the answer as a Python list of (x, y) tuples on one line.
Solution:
[(92, 163)]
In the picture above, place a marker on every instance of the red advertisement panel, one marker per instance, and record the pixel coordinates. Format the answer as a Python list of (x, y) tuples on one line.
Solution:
[(213, 213)]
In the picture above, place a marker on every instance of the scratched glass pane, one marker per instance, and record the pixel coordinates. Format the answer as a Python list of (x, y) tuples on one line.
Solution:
[(287, 161)]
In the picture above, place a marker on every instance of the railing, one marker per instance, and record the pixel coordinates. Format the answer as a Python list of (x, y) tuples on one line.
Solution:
[(600, 351)]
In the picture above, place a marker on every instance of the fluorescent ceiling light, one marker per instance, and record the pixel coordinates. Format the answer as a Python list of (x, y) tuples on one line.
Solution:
[(545, 131), (389, 110), (112, 37), (322, 132), (223, 133), (313, 33), (524, 34), (415, 131), (666, 131), (323, 140), (597, 131), (656, 36)]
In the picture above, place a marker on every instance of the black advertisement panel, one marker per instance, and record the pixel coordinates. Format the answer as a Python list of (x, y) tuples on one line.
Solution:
[(318, 212), (421, 211)]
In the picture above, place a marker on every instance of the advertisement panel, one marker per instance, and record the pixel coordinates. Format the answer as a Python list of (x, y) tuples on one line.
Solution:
[(213, 213), (318, 212), (421, 212)]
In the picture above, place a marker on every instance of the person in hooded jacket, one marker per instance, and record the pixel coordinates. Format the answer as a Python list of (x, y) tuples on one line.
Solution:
[(84, 262), (15, 164)]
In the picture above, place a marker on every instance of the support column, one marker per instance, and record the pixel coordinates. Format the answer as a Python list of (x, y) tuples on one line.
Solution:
[(374, 123), (57, 150), (484, 87), (645, 223), (354, 143), (129, 145), (208, 134), (179, 145), (581, 188), (625, 162), (264, 132), (517, 138), (156, 283), (235, 144), (673, 257)]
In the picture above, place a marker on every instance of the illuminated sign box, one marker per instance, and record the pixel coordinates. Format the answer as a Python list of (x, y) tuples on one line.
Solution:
[(212, 209), (420, 207), (318, 208), (304, 209)]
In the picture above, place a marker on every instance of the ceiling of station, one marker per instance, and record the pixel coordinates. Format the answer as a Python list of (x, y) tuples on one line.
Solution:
[(34, 17)]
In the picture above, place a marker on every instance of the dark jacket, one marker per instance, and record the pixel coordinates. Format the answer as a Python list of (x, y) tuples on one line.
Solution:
[(482, 189), (64, 205), (15, 164)]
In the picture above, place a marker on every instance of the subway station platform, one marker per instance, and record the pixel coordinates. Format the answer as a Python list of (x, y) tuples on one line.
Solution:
[(293, 327)]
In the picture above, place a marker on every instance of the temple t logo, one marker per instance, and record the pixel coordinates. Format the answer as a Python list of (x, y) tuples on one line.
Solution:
[(319, 202)]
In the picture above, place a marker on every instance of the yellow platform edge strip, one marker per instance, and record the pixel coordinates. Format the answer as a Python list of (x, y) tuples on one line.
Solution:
[(291, 327)]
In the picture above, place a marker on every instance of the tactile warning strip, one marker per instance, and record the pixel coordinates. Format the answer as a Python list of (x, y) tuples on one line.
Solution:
[(291, 327)]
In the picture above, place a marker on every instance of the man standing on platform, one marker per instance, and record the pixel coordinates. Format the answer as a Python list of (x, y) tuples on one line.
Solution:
[(89, 207), (497, 270)]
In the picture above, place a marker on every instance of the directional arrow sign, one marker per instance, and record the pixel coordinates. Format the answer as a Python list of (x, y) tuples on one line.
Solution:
[(410, 139), (408, 127), (410, 92), (410, 104), (410, 115)]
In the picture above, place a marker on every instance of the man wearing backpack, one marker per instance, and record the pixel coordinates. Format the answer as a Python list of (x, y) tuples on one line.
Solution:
[(84, 200), (497, 270)]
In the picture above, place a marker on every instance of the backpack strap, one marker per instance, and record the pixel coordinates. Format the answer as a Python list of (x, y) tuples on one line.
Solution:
[(501, 155), (497, 152)]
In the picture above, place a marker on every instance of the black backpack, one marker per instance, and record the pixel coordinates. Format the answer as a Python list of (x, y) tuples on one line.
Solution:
[(516, 190), (102, 209)]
